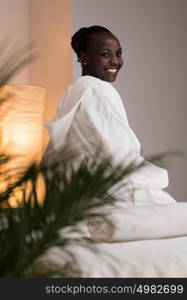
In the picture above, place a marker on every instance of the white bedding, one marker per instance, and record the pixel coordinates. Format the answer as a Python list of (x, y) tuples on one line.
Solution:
[(131, 223), (145, 258), (145, 241)]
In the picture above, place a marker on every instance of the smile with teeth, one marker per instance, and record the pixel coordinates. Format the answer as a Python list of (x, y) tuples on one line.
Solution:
[(112, 71)]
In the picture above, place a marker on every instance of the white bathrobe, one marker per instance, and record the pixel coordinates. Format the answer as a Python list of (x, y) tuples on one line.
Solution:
[(91, 116), (145, 234)]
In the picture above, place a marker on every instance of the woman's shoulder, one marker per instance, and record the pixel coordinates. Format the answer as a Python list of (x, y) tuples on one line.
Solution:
[(95, 86), (89, 91), (87, 81), (84, 83), (100, 96), (79, 89)]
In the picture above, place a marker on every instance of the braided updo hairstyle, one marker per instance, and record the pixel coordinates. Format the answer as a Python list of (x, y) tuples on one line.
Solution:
[(80, 40)]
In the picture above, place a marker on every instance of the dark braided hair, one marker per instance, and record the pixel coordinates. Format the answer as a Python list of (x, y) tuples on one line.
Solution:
[(80, 40)]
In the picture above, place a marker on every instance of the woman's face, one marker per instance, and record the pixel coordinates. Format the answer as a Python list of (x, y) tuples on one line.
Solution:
[(103, 58)]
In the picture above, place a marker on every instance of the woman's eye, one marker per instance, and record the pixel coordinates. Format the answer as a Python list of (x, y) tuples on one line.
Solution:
[(106, 54), (119, 54)]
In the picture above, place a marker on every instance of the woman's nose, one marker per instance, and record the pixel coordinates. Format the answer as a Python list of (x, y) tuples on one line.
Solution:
[(114, 59)]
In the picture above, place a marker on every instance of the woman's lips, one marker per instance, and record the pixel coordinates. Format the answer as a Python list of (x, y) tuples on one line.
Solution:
[(111, 71)]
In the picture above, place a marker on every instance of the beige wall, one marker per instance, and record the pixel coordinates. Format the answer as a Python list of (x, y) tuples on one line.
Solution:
[(50, 31), (14, 28), (153, 80), (47, 24)]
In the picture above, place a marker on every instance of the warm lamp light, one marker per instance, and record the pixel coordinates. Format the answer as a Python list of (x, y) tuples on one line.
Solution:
[(21, 120), (21, 117)]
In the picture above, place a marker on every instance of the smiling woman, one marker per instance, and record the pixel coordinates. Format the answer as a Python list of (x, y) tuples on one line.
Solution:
[(99, 52), (145, 219), (91, 116)]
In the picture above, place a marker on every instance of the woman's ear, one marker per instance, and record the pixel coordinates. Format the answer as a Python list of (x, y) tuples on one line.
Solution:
[(82, 58)]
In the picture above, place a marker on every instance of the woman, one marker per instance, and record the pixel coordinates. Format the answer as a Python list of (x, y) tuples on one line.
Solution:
[(144, 234), (91, 116)]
